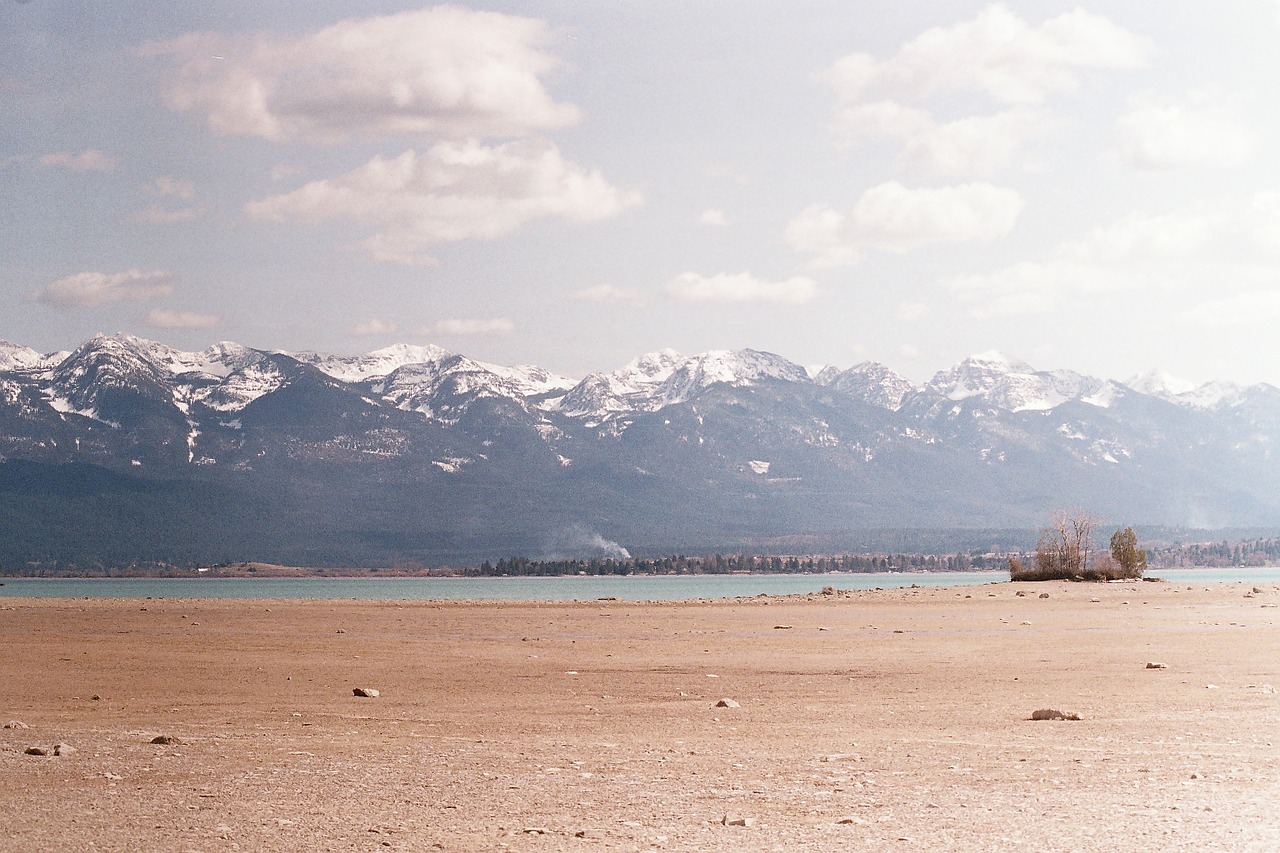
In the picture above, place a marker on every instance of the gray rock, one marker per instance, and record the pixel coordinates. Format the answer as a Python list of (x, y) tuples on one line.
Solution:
[(727, 703), (366, 692)]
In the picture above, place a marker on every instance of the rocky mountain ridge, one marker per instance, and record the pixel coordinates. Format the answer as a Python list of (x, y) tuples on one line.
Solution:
[(417, 453)]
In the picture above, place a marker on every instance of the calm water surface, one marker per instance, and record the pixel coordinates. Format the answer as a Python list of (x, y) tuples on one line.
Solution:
[(645, 588)]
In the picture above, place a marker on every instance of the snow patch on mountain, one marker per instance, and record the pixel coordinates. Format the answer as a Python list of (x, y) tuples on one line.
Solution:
[(244, 386), (740, 368), (379, 362), (17, 357), (873, 383)]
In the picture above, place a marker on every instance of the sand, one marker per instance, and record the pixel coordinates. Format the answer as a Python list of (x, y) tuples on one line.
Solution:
[(878, 720)]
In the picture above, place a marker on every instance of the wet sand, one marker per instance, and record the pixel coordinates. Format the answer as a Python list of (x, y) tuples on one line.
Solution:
[(876, 720)]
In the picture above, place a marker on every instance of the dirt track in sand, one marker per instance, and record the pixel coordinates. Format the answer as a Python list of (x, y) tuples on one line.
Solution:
[(881, 720)]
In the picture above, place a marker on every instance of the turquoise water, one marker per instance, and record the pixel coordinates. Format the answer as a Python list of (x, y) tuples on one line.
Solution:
[(647, 588)]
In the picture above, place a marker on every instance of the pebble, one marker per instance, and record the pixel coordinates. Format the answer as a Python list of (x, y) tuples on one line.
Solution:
[(16, 724), (63, 749), (1044, 595), (727, 703), (36, 750), (734, 820), (165, 740), (1156, 665), (366, 692), (782, 627)]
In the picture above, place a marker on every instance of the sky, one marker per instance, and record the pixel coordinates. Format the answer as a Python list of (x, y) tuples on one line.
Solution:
[(571, 184)]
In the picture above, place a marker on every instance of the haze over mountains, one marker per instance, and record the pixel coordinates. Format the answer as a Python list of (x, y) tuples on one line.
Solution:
[(128, 450)]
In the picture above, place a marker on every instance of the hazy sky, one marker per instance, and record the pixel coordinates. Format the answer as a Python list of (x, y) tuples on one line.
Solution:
[(571, 184)]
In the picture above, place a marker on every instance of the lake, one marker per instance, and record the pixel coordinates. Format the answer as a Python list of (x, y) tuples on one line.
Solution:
[(574, 587)]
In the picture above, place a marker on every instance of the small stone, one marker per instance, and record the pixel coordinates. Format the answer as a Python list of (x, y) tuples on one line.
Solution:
[(366, 692), (1094, 600), (1053, 714), (63, 749), (727, 703), (1156, 665), (588, 833), (1044, 595), (95, 698), (342, 630), (851, 819), (734, 820), (16, 724), (1020, 594), (534, 830), (165, 740), (782, 627), (36, 750)]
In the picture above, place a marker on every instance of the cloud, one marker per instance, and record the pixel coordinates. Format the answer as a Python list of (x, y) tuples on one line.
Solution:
[(157, 214), (89, 160), (443, 72), (607, 293), (713, 217), (1259, 308), (894, 218), (373, 327), (165, 318), (91, 289), (978, 145), (1233, 243), (452, 191), (741, 287), (1201, 129), (469, 328), (908, 311), (996, 54), (169, 187)]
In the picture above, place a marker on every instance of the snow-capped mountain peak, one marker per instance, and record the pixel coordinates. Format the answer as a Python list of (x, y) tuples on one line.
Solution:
[(17, 357), (379, 362), (873, 383), (738, 367), (1159, 383)]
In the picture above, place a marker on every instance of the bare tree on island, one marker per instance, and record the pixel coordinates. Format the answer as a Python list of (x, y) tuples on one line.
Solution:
[(1065, 548)]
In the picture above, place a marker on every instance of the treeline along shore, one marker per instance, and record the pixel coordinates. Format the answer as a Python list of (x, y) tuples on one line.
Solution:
[(1253, 552)]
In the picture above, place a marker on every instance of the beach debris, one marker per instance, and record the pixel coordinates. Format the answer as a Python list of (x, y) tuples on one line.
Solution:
[(1053, 714), (731, 819), (16, 724), (63, 749), (1155, 664), (165, 740), (727, 703), (365, 692)]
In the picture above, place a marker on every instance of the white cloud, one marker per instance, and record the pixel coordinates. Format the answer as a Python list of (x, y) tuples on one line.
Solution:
[(453, 191), (1201, 129), (741, 287), (157, 214), (908, 311), (469, 328), (89, 160), (894, 218), (169, 187), (1232, 244), (998, 54), (164, 318), (91, 289), (1258, 308), (713, 217), (607, 293), (441, 72), (373, 327)]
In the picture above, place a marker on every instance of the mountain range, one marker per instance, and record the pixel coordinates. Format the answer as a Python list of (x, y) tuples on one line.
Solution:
[(126, 450)]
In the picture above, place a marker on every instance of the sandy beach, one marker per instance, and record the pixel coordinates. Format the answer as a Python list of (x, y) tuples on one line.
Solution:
[(894, 719)]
